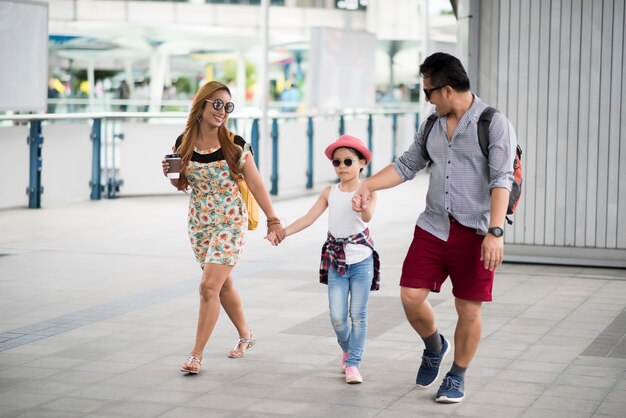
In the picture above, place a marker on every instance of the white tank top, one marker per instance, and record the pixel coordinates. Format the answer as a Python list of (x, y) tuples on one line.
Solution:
[(343, 222)]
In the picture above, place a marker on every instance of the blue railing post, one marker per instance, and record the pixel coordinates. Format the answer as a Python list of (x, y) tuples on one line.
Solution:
[(96, 145), (309, 171), (370, 140), (274, 178), (342, 125), (115, 183), (254, 141), (35, 142), (394, 139), (417, 121)]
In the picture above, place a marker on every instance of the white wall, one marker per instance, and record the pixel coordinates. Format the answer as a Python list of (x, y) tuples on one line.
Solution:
[(66, 164), (555, 68), (24, 52)]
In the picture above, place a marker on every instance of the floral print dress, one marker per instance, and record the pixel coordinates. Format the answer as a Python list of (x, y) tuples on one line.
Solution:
[(218, 218)]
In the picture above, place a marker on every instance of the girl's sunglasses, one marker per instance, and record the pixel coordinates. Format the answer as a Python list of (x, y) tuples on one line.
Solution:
[(347, 162), (218, 104)]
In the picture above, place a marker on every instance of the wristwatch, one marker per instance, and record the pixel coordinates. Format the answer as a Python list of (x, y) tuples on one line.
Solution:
[(496, 231)]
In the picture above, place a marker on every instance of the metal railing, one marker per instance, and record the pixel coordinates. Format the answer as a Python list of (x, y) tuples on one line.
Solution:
[(105, 138)]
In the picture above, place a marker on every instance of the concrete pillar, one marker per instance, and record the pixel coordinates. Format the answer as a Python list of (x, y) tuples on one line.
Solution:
[(263, 90), (91, 79), (158, 63)]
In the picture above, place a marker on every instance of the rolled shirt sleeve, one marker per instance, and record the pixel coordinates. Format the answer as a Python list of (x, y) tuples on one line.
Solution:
[(502, 145), (414, 159)]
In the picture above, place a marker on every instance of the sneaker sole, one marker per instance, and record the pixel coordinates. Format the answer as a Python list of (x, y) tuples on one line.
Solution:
[(353, 381), (439, 372), (445, 399)]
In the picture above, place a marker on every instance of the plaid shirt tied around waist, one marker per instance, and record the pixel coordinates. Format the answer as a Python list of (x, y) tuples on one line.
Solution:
[(333, 254)]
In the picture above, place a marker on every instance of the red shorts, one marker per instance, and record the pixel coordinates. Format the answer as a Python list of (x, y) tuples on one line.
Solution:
[(430, 261)]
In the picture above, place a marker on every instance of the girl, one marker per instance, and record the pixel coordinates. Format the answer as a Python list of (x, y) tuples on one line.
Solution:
[(218, 218), (349, 264)]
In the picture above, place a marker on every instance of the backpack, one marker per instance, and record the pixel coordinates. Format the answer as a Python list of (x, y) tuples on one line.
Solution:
[(248, 199), (484, 121)]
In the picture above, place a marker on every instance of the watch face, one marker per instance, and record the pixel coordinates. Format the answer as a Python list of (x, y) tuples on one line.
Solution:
[(496, 231)]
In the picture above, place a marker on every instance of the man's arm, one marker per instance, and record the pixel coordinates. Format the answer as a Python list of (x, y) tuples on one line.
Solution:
[(386, 178), (492, 249)]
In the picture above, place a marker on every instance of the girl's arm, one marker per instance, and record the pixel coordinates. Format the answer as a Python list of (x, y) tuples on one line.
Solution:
[(368, 212), (256, 186), (305, 221), (311, 216)]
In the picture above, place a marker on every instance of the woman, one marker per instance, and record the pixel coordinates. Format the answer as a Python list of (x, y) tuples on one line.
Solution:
[(212, 163)]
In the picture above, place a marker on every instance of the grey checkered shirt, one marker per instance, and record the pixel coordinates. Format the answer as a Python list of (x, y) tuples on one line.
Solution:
[(461, 178)]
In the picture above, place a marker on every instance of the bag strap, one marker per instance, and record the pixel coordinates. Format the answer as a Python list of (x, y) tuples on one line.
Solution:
[(484, 121), (430, 122)]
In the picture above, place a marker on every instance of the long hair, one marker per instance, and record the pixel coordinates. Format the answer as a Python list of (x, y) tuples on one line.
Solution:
[(232, 152)]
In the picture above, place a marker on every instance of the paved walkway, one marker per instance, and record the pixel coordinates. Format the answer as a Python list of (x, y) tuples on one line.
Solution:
[(98, 308)]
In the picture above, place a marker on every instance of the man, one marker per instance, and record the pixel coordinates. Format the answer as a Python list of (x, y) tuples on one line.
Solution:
[(460, 232)]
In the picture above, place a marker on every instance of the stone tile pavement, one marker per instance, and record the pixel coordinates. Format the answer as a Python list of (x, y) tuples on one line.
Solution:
[(98, 306)]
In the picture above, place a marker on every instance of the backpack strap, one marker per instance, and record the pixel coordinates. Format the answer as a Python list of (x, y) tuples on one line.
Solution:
[(484, 121), (430, 122)]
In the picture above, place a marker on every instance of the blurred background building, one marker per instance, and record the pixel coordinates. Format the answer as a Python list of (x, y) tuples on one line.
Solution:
[(164, 50)]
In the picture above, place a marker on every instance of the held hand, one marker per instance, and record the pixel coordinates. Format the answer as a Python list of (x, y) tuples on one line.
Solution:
[(271, 237), (492, 252), (361, 198), (278, 232)]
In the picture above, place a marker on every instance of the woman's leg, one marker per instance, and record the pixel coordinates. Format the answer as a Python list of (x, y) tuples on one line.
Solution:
[(338, 306), (213, 278), (231, 302), (360, 275)]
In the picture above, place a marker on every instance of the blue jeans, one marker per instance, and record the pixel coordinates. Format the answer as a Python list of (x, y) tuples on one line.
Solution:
[(350, 293)]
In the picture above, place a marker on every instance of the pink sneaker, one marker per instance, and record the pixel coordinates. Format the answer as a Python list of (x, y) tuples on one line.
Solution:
[(344, 357), (353, 375)]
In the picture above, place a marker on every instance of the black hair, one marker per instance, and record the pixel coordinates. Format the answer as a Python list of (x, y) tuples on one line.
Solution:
[(445, 70)]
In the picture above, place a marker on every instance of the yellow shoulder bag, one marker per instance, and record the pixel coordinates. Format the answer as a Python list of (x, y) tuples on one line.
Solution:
[(248, 199)]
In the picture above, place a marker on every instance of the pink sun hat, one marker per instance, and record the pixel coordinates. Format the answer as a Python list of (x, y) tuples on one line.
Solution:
[(347, 141)]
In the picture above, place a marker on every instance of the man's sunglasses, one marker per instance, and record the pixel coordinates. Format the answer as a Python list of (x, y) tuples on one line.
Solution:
[(347, 162), (428, 91), (218, 104)]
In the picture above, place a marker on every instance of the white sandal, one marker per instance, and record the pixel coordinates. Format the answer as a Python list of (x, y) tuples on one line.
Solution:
[(187, 366), (249, 344)]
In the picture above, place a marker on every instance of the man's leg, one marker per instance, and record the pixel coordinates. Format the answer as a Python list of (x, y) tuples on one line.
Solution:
[(420, 314), (466, 340), (418, 310), (468, 330)]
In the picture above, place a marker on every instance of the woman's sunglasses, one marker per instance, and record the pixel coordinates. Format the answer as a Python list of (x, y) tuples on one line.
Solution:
[(218, 104), (347, 162)]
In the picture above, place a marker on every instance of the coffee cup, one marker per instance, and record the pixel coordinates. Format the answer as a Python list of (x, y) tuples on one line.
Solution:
[(174, 161)]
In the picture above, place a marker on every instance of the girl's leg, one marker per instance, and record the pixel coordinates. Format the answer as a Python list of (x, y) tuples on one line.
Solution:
[(338, 306), (231, 302), (360, 275), (213, 278)]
